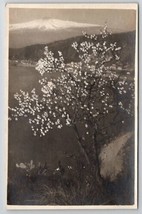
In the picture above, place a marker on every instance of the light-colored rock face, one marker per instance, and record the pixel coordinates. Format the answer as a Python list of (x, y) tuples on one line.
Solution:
[(112, 157)]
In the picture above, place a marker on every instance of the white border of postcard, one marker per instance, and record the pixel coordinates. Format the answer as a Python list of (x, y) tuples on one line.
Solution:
[(121, 6)]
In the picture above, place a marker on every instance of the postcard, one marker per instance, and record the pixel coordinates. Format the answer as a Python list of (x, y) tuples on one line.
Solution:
[(72, 81)]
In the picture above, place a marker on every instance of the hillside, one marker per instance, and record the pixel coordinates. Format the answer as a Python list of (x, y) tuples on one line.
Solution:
[(34, 52)]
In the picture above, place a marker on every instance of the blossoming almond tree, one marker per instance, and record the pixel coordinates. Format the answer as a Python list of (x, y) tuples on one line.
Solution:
[(88, 95)]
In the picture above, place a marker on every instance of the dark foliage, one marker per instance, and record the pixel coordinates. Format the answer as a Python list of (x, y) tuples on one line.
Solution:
[(34, 52)]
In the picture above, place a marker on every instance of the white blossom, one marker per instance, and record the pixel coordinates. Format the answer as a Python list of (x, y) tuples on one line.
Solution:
[(81, 92)]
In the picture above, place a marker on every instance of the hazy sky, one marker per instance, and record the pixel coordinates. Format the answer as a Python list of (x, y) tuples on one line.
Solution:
[(121, 19)]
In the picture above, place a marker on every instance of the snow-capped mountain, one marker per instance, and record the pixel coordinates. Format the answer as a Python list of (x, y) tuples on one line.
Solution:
[(43, 31), (49, 24)]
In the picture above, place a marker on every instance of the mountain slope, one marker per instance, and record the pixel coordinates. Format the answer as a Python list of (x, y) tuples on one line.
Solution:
[(48, 24), (34, 52), (46, 31)]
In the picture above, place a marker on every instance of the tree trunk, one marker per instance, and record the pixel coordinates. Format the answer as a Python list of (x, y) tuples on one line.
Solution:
[(79, 140), (92, 158), (99, 193), (95, 161), (96, 169)]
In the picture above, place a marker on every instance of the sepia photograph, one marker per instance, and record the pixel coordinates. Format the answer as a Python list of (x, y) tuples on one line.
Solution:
[(72, 81)]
